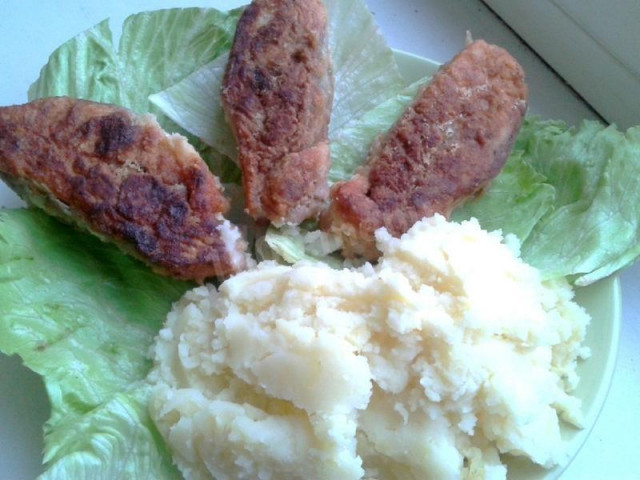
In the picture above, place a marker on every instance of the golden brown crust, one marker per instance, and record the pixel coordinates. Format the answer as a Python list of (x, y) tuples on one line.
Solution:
[(123, 178), (277, 93), (448, 144)]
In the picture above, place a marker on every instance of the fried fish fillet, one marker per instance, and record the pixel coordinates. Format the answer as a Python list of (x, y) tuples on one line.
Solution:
[(120, 176), (448, 144), (277, 93)]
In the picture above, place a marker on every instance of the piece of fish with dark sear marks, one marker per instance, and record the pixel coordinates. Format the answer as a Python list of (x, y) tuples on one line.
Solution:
[(277, 93), (120, 176), (446, 147)]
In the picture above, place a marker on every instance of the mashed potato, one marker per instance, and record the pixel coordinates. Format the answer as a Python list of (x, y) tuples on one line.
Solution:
[(428, 365)]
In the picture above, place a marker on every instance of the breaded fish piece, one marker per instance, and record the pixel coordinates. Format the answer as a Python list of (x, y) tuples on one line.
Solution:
[(120, 176), (277, 93), (448, 144)]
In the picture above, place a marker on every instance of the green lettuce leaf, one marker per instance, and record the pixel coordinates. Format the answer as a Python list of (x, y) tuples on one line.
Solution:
[(84, 67), (593, 229), (291, 244), (115, 440), (364, 68), (156, 49), (194, 104), (568, 193), (84, 318)]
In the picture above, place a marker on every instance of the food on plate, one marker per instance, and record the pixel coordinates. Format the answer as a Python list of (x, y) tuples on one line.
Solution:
[(447, 353), (120, 176), (94, 312), (277, 94), (449, 143)]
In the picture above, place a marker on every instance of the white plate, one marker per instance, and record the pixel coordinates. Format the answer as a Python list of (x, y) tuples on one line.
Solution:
[(23, 404)]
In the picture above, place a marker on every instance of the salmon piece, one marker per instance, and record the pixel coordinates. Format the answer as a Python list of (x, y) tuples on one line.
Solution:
[(445, 148), (277, 93), (121, 177)]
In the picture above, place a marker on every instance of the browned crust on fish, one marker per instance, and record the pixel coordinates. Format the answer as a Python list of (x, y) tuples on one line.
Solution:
[(120, 176), (277, 92), (449, 143)]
